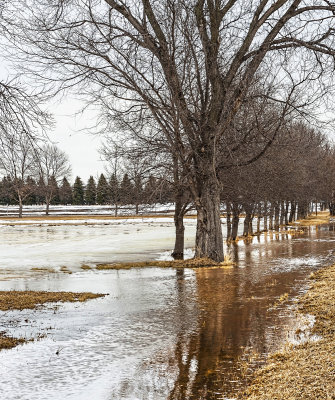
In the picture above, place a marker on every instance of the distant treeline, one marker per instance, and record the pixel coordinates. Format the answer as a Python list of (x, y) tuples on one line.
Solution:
[(105, 191)]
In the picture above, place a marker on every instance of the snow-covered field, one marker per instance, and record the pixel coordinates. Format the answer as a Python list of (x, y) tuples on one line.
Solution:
[(42, 244), (39, 210)]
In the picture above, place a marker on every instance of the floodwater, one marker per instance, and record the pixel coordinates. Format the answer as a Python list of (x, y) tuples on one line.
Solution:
[(161, 334)]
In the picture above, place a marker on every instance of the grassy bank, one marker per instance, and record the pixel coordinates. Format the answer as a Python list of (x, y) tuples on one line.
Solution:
[(190, 263), (307, 371), (20, 300), (321, 218)]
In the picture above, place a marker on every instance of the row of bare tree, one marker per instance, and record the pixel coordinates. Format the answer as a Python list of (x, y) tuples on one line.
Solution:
[(213, 83), (22, 159)]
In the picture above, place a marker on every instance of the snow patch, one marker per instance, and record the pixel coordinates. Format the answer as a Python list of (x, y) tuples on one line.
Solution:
[(166, 255), (303, 330)]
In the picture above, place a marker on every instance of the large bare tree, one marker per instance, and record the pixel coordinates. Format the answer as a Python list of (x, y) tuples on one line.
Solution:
[(196, 60)]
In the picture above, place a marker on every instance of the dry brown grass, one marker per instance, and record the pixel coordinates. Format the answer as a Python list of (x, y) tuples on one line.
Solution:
[(7, 342), (42, 269), (191, 263), (20, 300), (307, 371), (65, 269), (85, 267), (320, 219)]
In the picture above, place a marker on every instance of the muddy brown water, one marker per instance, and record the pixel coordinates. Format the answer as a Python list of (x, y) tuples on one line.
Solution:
[(164, 334)]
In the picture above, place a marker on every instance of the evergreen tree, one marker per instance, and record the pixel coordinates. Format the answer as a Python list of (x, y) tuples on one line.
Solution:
[(91, 191), (65, 192), (114, 188), (53, 190), (150, 191), (103, 190), (78, 192), (32, 197), (7, 194), (40, 191), (126, 190), (138, 192)]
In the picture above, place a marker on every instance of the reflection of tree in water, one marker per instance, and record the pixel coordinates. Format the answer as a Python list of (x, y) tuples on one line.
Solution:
[(232, 327), (225, 320)]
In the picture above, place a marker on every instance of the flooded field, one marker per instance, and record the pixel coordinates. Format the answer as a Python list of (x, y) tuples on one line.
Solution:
[(161, 334)]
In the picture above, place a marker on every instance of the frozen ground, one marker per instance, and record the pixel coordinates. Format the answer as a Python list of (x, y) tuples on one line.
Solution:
[(52, 243), (41, 245), (39, 210)]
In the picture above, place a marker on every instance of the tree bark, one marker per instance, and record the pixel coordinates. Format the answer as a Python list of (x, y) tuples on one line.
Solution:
[(282, 213), (235, 221), (292, 211), (265, 227), (286, 212), (228, 209), (248, 220), (178, 251), (209, 240), (276, 216), (259, 216), (302, 209), (271, 217)]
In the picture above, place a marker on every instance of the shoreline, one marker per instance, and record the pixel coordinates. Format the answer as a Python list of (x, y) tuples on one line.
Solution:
[(305, 371)]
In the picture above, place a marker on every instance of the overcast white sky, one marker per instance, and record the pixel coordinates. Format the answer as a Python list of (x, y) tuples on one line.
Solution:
[(68, 135), (82, 148)]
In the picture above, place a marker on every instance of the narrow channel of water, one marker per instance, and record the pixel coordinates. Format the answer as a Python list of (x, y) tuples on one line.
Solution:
[(162, 334)]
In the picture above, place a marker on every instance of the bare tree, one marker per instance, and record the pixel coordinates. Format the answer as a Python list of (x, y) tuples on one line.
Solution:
[(53, 165), (196, 60), (17, 161)]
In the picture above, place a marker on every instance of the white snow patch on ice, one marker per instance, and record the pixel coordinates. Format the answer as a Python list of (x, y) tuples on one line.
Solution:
[(166, 255)]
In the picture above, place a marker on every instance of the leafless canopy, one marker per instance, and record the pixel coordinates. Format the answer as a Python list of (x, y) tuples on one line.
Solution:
[(191, 65)]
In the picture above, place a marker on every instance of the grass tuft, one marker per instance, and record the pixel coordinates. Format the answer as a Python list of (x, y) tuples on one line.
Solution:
[(20, 300), (191, 263), (306, 371)]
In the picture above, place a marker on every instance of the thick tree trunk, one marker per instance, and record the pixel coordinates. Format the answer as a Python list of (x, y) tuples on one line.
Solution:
[(248, 220), (209, 240), (277, 215), (302, 209), (116, 210), (235, 221), (282, 213), (265, 227), (259, 216), (136, 208), (178, 251), (271, 217), (228, 209), (292, 211), (286, 212)]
